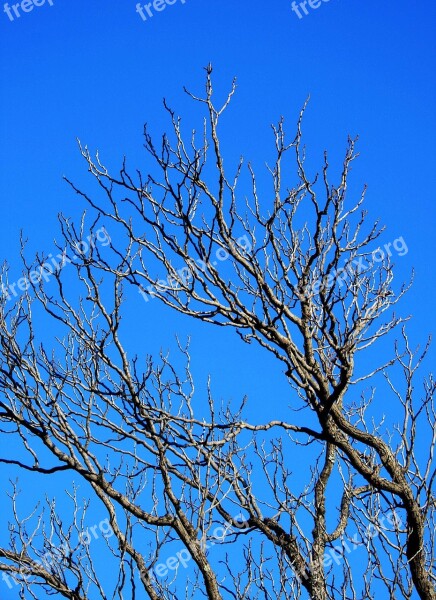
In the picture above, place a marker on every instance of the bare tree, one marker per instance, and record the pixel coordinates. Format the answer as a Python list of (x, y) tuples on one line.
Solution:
[(292, 270)]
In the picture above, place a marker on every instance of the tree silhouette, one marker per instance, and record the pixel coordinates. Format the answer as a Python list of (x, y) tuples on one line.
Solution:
[(291, 268)]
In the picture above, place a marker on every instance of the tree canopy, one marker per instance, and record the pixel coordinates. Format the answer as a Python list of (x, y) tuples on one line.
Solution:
[(295, 268)]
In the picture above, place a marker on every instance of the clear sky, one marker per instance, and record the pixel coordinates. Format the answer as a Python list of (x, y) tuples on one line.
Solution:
[(97, 70)]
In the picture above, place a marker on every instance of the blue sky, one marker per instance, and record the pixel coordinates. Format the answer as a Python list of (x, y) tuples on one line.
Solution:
[(95, 70)]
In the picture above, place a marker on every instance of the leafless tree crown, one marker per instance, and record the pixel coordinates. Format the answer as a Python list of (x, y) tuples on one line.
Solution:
[(288, 268)]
